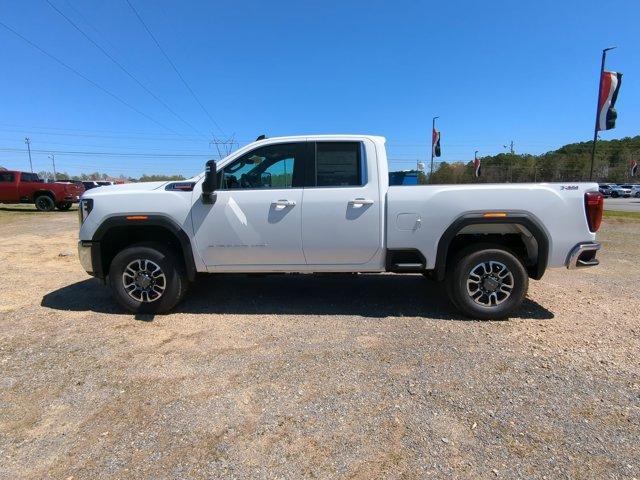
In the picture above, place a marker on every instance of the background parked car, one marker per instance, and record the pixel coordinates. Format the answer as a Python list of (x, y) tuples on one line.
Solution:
[(634, 189), (620, 191), (605, 189), (26, 187), (88, 185)]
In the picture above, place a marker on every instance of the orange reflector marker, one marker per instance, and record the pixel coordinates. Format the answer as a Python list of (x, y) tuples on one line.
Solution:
[(494, 214), (137, 217)]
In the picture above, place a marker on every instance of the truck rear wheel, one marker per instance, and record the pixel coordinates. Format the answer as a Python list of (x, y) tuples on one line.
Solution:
[(44, 203), (147, 278), (64, 206), (487, 282)]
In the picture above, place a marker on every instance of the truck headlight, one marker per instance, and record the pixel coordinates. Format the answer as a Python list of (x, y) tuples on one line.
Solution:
[(84, 209)]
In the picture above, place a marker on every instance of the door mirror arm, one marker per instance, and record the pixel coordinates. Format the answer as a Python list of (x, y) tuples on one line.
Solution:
[(210, 182)]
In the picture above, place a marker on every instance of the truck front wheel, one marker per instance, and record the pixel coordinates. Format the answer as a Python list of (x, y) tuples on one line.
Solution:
[(147, 278), (64, 206), (44, 203), (487, 282)]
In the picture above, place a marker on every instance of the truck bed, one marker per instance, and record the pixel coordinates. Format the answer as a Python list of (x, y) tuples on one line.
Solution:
[(418, 216)]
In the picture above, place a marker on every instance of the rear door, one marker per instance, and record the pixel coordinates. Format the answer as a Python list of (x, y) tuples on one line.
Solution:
[(8, 187), (29, 183), (257, 216), (341, 221)]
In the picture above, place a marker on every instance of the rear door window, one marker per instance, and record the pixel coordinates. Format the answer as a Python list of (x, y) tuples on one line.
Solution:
[(338, 164), (28, 177)]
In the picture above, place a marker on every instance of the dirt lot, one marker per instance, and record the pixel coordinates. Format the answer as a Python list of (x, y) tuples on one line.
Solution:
[(371, 376)]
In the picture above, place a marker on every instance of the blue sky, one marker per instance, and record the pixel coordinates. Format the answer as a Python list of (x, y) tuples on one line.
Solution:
[(493, 71)]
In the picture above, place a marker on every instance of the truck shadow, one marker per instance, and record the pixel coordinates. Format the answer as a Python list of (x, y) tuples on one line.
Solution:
[(294, 294)]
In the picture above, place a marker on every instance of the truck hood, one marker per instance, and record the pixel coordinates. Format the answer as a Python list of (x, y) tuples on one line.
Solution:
[(124, 188)]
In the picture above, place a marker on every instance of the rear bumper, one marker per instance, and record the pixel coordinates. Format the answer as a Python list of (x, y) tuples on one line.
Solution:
[(90, 258), (583, 255)]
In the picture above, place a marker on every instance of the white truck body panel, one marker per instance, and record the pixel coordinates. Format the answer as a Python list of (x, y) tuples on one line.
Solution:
[(437, 206), (315, 229)]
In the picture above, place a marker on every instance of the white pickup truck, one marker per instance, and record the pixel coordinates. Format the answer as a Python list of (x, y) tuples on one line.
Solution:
[(323, 203)]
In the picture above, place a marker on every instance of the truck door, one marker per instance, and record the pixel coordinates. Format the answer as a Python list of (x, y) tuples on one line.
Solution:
[(342, 222), (28, 184), (8, 187), (257, 216)]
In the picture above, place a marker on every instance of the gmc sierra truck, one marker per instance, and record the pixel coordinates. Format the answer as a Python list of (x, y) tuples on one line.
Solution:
[(323, 203), (24, 187)]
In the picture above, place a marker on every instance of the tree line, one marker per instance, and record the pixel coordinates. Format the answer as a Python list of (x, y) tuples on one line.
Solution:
[(98, 176), (568, 163)]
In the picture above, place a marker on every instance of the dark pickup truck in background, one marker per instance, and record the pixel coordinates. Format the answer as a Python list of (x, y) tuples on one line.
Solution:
[(25, 187)]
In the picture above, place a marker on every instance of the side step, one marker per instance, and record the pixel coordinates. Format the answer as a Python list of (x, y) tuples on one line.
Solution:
[(405, 261)]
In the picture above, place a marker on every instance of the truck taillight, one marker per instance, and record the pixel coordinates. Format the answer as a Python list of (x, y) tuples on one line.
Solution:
[(593, 206)]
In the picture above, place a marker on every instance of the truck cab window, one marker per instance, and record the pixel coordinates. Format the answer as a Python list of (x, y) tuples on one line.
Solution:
[(338, 164), (6, 177), (274, 166), (29, 177)]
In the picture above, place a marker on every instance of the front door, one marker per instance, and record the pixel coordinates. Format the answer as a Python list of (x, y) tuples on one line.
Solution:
[(8, 187), (257, 215), (342, 222)]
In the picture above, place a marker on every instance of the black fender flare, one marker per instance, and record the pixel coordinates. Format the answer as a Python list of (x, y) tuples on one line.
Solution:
[(44, 191), (519, 218), (149, 221)]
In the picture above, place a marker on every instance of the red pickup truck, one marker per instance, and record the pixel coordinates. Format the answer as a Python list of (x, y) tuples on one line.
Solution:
[(24, 187)]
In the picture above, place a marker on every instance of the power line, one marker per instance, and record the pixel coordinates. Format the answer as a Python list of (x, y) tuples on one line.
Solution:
[(174, 67), (135, 79), (119, 137), (96, 85), (114, 154)]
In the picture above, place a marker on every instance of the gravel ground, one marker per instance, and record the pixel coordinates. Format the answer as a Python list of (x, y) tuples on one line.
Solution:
[(291, 376)]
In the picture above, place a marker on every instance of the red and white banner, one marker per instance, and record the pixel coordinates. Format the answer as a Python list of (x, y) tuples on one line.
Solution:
[(435, 143), (609, 88), (477, 167)]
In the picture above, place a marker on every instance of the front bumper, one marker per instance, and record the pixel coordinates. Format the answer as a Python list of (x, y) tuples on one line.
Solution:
[(583, 255), (90, 258)]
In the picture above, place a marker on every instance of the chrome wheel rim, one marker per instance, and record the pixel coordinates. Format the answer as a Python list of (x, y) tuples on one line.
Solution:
[(490, 283), (144, 280)]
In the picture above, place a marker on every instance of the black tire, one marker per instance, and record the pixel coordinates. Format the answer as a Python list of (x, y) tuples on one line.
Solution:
[(44, 203), (637, 195), (175, 282), (63, 206), (488, 304), (615, 194)]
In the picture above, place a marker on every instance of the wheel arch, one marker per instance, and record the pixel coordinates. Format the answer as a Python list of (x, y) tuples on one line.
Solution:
[(465, 224), (118, 232), (48, 193)]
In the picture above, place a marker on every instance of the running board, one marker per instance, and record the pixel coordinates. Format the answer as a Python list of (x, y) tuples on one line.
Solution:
[(405, 261)]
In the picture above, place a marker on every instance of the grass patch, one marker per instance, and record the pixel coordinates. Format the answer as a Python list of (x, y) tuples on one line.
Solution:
[(622, 215), (27, 209)]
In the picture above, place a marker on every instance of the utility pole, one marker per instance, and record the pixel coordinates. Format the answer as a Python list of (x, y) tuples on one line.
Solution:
[(27, 140), (595, 129), (433, 127), (53, 159), (511, 151), (475, 161)]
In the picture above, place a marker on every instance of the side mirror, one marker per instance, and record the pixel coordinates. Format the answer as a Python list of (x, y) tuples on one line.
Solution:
[(210, 182)]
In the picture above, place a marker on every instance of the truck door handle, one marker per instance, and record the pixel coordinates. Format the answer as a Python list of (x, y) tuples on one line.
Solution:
[(282, 203), (361, 201)]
